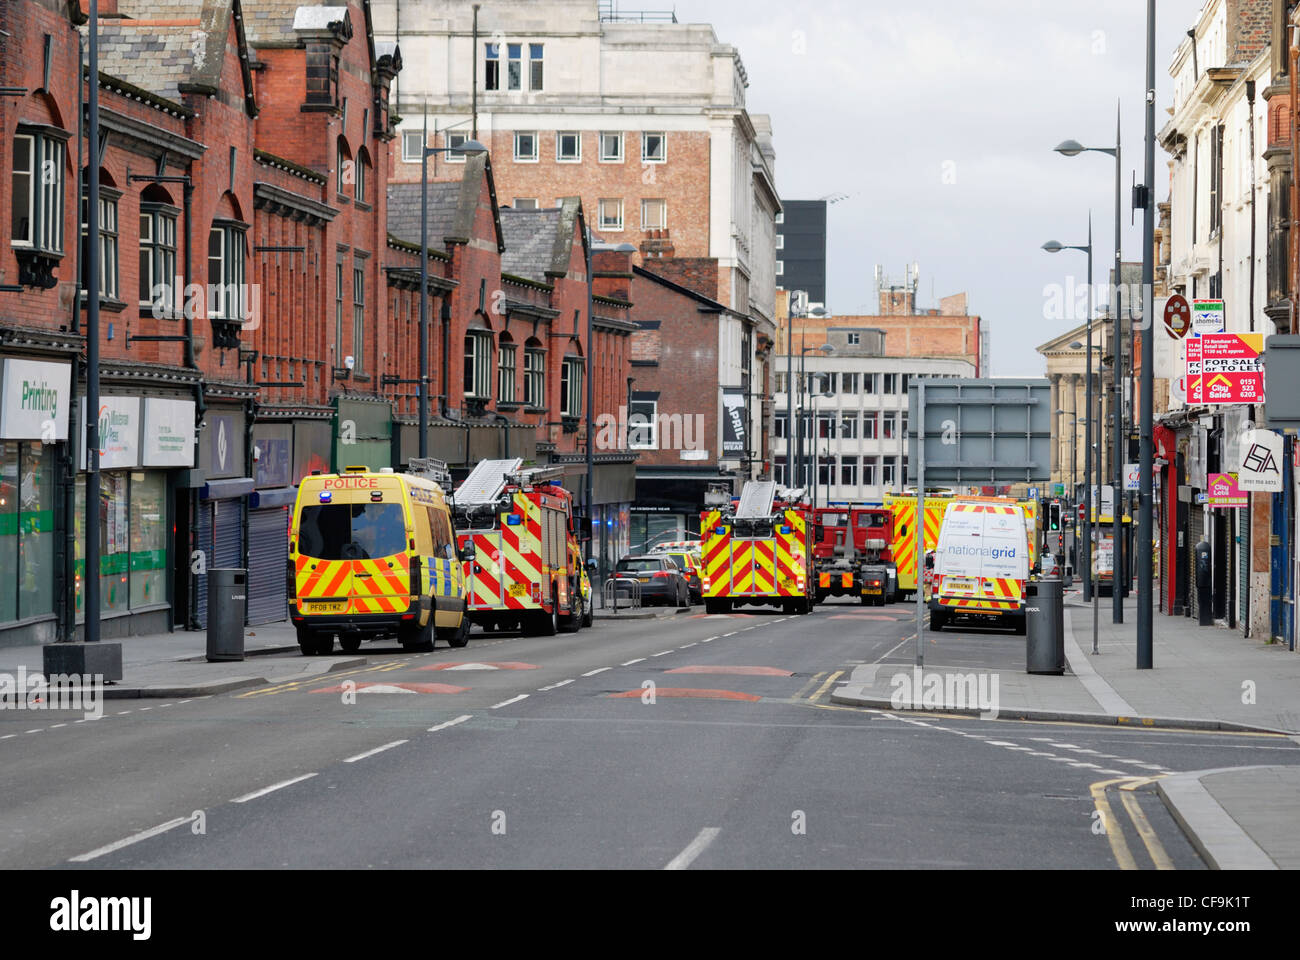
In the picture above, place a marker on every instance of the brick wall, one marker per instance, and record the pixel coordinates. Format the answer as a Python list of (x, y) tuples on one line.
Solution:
[(1250, 24)]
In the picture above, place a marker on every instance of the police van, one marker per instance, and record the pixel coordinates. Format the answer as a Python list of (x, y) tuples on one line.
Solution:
[(373, 554), (981, 564)]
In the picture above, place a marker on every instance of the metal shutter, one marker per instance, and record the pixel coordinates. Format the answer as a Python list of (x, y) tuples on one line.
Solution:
[(1195, 533), (268, 561), (203, 543), (221, 537)]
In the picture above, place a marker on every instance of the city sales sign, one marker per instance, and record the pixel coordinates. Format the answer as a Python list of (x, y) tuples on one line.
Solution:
[(1225, 368), (34, 400)]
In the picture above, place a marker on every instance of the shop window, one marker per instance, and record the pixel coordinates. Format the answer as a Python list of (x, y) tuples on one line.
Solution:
[(132, 539), (148, 520)]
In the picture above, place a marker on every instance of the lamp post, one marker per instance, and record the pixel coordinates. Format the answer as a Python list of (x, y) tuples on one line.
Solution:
[(467, 148), (804, 404), (1072, 148), (1087, 481), (792, 463), (1146, 450), (1051, 246)]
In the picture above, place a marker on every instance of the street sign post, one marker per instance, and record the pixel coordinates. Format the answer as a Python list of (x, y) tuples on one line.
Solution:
[(973, 432)]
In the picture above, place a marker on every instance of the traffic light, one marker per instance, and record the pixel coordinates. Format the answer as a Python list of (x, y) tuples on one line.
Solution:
[(1054, 516), (1082, 515)]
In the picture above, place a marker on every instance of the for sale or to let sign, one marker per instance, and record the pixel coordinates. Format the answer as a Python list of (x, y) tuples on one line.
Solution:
[(1224, 492), (1225, 368)]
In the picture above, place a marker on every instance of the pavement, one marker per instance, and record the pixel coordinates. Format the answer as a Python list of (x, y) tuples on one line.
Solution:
[(1203, 678)]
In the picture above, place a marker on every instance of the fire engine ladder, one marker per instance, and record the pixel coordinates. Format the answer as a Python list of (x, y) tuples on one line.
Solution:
[(533, 475), (756, 500), (485, 482)]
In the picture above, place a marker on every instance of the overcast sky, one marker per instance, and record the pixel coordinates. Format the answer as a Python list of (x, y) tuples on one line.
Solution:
[(880, 99)]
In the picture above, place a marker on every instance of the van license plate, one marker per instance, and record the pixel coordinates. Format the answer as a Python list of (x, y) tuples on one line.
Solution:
[(518, 589), (331, 606)]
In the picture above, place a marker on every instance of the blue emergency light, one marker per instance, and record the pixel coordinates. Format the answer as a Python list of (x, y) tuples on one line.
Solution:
[(325, 496), (514, 520), (783, 529)]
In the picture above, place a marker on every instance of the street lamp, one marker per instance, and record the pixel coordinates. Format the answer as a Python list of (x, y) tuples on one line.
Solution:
[(1090, 592), (1052, 246), (470, 147), (1072, 148), (827, 350)]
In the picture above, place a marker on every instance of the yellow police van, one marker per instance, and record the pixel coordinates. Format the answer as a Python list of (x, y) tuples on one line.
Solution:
[(373, 554)]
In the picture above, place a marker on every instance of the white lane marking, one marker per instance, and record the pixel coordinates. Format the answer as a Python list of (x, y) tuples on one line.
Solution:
[(272, 788), (37, 730), (731, 634), (999, 743), (592, 673), (685, 645), (371, 753), (134, 838), (450, 723), (57, 725), (10, 736), (708, 639), (628, 663), (82, 720), (122, 712), (554, 686), (506, 703), (1040, 753), (143, 709), (182, 701), (693, 849), (664, 654), (161, 705), (1022, 749)]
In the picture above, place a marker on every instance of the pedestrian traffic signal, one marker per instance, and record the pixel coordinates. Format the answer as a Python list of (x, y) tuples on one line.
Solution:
[(1054, 517), (1081, 514)]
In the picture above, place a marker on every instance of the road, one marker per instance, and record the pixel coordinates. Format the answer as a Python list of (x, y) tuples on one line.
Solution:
[(688, 742)]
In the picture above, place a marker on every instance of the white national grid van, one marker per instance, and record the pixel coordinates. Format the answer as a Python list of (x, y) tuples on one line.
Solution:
[(981, 564)]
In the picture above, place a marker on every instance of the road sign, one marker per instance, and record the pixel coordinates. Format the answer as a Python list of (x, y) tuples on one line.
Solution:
[(1224, 492), (1225, 368), (981, 431), (1207, 316), (1261, 461), (1033, 493), (1178, 315)]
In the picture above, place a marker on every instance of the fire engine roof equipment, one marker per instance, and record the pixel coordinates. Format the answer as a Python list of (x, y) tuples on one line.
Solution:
[(756, 500), (486, 481)]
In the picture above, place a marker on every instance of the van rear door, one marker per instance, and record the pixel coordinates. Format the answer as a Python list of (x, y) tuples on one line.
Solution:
[(352, 553)]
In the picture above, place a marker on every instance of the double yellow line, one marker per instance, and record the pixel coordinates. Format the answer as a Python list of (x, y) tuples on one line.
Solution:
[(1115, 833)]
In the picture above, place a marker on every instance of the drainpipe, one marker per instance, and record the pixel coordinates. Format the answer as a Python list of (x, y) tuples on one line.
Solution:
[(473, 59)]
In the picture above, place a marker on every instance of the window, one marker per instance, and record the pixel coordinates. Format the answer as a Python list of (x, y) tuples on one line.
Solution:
[(1216, 180), (157, 258), (780, 217), (902, 383), (37, 220), (642, 425), (455, 141), (535, 64), (849, 426), (848, 383), (534, 374), (506, 370), (849, 472), (343, 166), (780, 241), (869, 421), (226, 273), (362, 175), (478, 364), (654, 148), (359, 318), (868, 471), (568, 146), (27, 537), (654, 214), (781, 426), (571, 387), (780, 383), (526, 146), (854, 339), (611, 147), (779, 471), (890, 383), (338, 313), (870, 382), (826, 426), (825, 472), (829, 382), (780, 268), (525, 203), (514, 66), (888, 475), (491, 67), (412, 141), (889, 430), (611, 214), (107, 243)]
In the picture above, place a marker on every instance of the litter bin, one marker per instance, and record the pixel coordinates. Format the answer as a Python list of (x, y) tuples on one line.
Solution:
[(227, 604), (1044, 628)]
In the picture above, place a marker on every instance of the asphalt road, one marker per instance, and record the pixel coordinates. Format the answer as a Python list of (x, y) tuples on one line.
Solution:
[(696, 741)]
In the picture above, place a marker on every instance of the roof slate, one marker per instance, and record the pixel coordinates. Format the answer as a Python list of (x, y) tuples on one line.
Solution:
[(404, 211), (530, 241)]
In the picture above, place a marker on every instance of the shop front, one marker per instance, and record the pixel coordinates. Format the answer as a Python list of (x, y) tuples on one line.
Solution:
[(222, 501), (269, 506), (668, 504), (35, 397)]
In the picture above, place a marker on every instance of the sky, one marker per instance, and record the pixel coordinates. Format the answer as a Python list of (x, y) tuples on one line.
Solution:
[(938, 119)]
